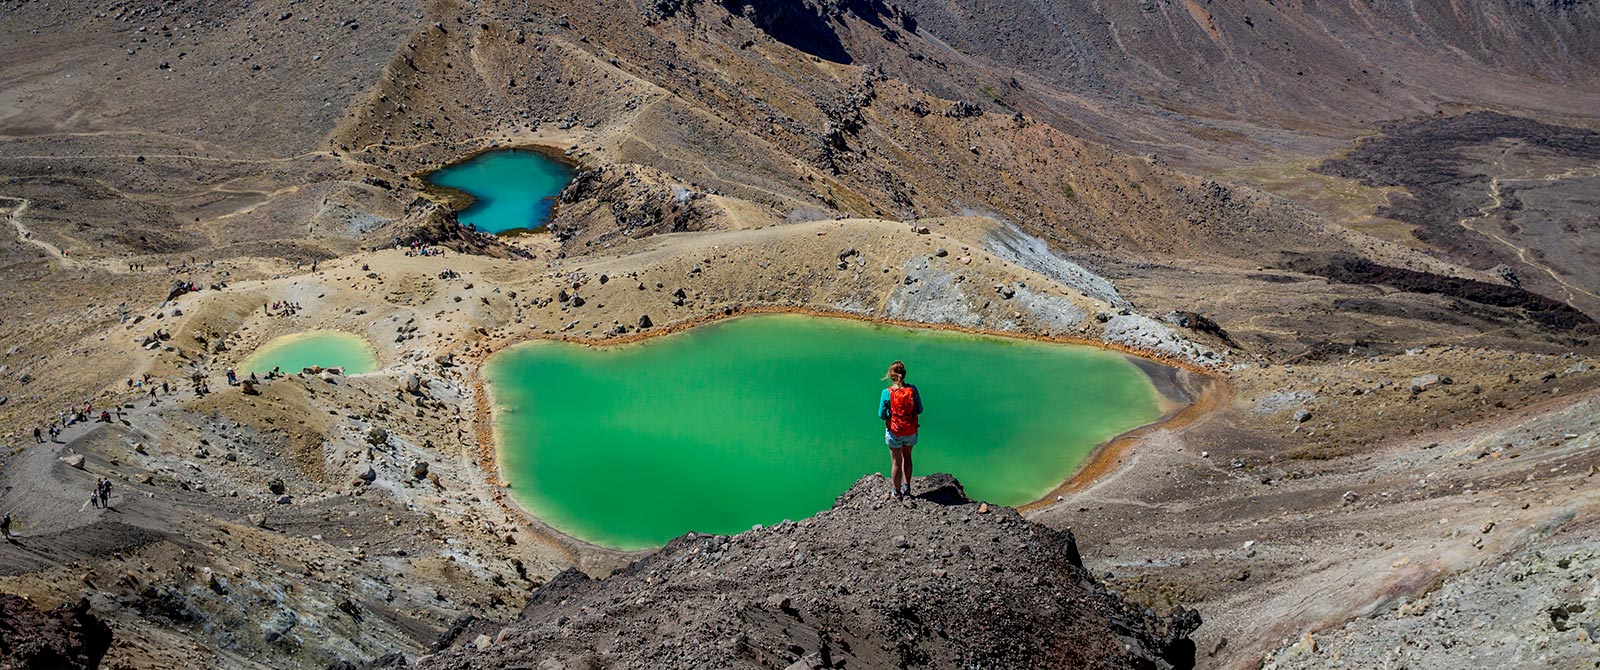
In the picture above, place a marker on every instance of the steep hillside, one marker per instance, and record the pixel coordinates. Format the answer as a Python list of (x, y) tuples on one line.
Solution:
[(1221, 82)]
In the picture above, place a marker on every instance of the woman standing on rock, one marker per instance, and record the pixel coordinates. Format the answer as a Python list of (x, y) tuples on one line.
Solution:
[(899, 407)]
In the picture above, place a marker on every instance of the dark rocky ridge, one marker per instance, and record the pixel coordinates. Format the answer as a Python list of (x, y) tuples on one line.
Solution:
[(1500, 193), (945, 582), (1442, 185), (60, 639), (1344, 268)]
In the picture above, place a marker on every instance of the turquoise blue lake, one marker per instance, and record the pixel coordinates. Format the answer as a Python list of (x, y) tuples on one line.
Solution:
[(513, 189)]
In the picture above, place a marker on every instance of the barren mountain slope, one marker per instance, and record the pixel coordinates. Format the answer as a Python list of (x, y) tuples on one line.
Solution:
[(998, 165), (1220, 82)]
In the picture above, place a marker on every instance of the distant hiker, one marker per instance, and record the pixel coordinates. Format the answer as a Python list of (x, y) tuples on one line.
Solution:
[(899, 407), (103, 489), (233, 378), (5, 525), (38, 435)]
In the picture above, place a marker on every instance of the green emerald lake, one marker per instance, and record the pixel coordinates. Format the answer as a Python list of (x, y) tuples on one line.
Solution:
[(763, 418), (512, 189), (326, 348)]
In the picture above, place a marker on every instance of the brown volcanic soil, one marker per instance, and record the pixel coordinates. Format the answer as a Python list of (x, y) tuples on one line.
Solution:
[(741, 157)]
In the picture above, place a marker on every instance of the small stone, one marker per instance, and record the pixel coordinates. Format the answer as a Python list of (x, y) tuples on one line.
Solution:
[(1302, 415), (1423, 383), (285, 499), (983, 508), (900, 542), (74, 460)]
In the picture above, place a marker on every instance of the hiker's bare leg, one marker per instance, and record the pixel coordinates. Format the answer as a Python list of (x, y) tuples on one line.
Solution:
[(894, 469), (905, 465)]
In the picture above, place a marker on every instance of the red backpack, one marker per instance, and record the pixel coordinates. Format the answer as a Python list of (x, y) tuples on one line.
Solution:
[(903, 410)]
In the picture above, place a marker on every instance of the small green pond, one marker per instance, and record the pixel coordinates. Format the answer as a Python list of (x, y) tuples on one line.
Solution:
[(764, 418), (512, 189), (326, 348)]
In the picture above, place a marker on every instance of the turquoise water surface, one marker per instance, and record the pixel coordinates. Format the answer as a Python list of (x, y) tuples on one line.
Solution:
[(514, 189), (325, 348), (763, 418)]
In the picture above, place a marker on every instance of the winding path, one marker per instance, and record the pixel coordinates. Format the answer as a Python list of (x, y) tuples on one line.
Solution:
[(26, 235), (1498, 201)]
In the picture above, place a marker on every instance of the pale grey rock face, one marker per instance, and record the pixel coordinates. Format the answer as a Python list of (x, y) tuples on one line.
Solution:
[(932, 296), (1145, 333), (1052, 312), (1012, 245)]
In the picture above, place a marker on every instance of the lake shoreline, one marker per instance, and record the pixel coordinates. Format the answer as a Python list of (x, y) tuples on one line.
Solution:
[(1188, 392)]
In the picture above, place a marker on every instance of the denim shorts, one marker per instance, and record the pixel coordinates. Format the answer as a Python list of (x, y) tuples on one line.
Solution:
[(897, 441)]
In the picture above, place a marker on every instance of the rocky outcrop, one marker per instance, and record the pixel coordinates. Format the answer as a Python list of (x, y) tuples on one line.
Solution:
[(632, 201), (434, 224), (811, 25), (943, 581), (64, 638)]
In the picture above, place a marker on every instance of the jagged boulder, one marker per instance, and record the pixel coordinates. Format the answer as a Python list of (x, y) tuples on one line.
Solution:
[(66, 638)]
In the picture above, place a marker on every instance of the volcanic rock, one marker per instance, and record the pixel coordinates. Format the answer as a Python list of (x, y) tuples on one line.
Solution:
[(67, 637), (962, 592)]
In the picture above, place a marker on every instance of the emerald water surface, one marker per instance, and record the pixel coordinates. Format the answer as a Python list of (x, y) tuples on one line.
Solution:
[(764, 418), (327, 348), (513, 188)]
